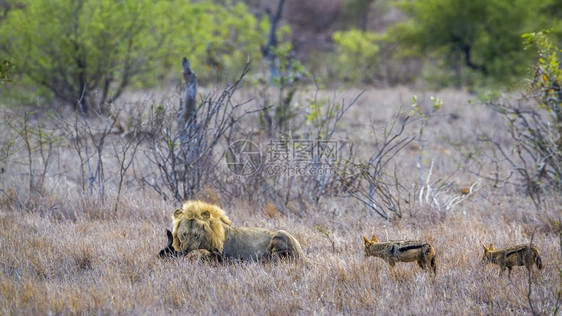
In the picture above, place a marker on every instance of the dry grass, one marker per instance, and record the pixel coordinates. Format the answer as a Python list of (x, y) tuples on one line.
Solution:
[(65, 253)]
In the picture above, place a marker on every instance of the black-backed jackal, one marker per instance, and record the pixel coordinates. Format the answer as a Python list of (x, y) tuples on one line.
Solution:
[(402, 251), (520, 255)]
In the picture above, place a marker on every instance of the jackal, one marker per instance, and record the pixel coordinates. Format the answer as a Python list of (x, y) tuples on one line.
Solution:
[(402, 251), (520, 255)]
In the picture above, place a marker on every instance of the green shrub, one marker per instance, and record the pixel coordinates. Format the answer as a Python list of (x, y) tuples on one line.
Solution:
[(478, 40), (357, 55), (86, 52), (6, 68)]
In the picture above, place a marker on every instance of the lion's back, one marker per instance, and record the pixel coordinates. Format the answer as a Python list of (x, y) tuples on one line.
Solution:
[(247, 242), (252, 243)]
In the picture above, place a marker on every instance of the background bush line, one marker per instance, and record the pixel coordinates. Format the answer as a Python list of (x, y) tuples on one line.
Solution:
[(86, 53)]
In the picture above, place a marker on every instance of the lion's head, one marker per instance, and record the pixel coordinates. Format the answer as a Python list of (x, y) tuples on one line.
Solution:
[(199, 225)]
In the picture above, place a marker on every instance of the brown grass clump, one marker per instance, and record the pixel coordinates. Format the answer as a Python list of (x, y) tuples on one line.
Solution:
[(271, 211)]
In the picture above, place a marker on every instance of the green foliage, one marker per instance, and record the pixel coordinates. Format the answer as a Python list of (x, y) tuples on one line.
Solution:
[(91, 50), (548, 71), (357, 52), (6, 68), (281, 91), (204, 31), (477, 39), (317, 115), (72, 48), (547, 81)]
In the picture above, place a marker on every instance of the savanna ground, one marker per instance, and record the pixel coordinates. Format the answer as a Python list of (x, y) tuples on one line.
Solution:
[(64, 251)]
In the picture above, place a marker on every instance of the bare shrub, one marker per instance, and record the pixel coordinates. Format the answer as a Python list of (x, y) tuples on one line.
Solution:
[(378, 187), (439, 194), (88, 136), (38, 142), (324, 118), (125, 151), (299, 169), (185, 154), (531, 159), (533, 155)]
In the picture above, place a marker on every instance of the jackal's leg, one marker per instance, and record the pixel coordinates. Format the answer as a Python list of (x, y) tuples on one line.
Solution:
[(528, 263), (420, 263), (509, 272)]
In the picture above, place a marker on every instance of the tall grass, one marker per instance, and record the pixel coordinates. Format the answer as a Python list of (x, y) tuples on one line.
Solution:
[(64, 251)]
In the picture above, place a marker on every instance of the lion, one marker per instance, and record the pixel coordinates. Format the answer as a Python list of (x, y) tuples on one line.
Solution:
[(201, 229)]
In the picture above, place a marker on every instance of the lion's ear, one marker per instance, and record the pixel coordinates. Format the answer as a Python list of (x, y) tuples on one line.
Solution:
[(177, 213), (206, 215), (367, 241)]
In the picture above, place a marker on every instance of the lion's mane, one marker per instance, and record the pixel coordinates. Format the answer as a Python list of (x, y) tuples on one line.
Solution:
[(210, 217)]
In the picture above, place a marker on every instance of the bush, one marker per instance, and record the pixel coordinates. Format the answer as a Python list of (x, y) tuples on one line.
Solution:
[(73, 48), (534, 156), (479, 40), (545, 138), (6, 68), (85, 53), (357, 52)]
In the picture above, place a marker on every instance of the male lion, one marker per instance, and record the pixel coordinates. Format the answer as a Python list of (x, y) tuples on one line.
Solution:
[(200, 228)]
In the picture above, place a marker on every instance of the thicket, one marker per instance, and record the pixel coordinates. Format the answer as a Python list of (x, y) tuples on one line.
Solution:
[(534, 124), (459, 43), (85, 53)]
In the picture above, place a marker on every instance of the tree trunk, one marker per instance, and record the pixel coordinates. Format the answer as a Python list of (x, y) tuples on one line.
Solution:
[(187, 114), (268, 50)]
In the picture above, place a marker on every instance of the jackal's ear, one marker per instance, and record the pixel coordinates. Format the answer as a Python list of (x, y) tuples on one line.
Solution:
[(170, 237), (367, 242), (374, 239), (491, 248)]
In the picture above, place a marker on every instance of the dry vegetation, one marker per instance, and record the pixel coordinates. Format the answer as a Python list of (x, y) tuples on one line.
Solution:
[(64, 250)]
